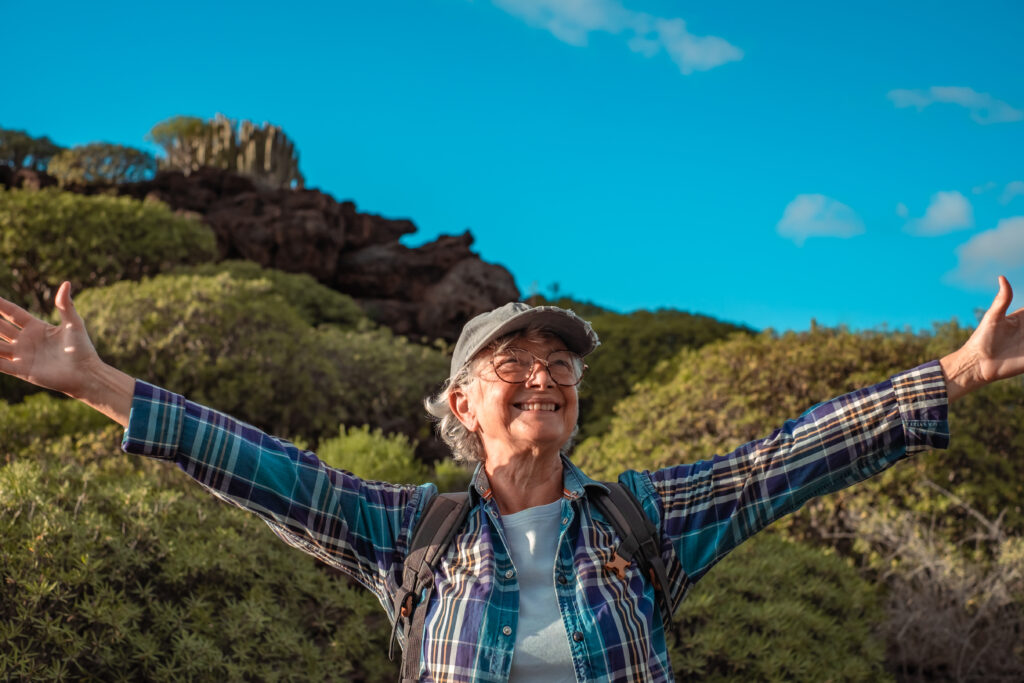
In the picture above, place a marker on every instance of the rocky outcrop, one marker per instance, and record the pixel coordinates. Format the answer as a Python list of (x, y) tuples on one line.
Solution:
[(426, 291)]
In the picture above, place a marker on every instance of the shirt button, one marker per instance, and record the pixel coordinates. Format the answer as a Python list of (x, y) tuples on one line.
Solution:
[(509, 574), (577, 636), (562, 580), (565, 520), (508, 631)]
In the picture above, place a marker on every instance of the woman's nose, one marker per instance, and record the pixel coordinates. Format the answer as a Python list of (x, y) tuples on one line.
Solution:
[(540, 375)]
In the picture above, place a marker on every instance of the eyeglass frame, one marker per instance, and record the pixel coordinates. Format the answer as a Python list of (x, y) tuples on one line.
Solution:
[(543, 361)]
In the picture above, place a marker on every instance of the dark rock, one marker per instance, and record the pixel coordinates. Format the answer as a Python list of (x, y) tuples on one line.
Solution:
[(427, 291), (469, 288)]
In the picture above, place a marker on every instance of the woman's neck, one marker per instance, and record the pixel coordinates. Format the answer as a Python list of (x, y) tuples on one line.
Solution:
[(524, 480)]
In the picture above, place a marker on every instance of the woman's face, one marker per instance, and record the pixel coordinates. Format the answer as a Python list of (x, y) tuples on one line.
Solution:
[(536, 415)]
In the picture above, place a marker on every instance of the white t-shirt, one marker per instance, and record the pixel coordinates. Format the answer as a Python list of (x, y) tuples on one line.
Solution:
[(542, 646)]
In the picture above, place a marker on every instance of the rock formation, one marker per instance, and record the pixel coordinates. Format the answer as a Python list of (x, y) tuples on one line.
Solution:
[(427, 291)]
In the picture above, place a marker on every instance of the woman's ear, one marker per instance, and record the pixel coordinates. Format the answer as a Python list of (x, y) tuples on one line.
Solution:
[(462, 407)]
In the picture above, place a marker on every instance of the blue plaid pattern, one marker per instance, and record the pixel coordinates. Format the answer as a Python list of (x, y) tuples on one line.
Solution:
[(614, 628)]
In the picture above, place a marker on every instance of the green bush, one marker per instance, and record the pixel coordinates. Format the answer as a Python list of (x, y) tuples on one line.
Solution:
[(49, 236), (237, 345), (371, 455), (42, 417), (102, 162), (317, 304), (713, 399), (776, 610), (119, 568), (631, 347)]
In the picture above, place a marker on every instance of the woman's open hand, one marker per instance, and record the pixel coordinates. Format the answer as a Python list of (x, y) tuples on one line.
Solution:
[(61, 357), (994, 351)]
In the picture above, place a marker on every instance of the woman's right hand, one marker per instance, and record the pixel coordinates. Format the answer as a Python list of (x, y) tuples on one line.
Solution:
[(61, 357)]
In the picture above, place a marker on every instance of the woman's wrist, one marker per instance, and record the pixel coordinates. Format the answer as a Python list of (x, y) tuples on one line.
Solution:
[(108, 390), (960, 369)]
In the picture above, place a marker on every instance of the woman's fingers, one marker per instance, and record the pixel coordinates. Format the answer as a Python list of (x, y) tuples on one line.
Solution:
[(14, 313), (8, 330)]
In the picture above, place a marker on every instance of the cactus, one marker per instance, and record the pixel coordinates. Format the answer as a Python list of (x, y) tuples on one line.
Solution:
[(262, 153)]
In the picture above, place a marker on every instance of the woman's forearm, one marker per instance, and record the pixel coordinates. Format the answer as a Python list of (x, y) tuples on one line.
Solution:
[(109, 391)]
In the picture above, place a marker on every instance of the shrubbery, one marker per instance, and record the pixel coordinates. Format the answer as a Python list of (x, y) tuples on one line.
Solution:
[(631, 347), (371, 455), (40, 418), (101, 162), (713, 399), (776, 610), (238, 345), (119, 568), (317, 304), (48, 236)]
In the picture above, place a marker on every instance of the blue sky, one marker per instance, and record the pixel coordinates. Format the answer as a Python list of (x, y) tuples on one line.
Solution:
[(764, 164)]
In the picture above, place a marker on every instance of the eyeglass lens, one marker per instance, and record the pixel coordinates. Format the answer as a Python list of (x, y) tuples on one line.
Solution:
[(516, 365)]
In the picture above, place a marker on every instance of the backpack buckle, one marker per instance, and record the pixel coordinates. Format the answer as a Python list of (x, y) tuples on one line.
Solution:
[(654, 579)]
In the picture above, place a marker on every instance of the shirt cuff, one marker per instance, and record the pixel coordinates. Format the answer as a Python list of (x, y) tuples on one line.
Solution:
[(924, 406), (155, 422)]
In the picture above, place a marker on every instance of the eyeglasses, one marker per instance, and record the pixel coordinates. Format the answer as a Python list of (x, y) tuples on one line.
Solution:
[(514, 365)]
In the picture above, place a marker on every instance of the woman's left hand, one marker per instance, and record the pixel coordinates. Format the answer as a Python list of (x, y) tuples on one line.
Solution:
[(994, 351)]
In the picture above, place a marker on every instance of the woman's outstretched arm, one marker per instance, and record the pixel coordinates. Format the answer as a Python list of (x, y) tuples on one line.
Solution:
[(61, 357)]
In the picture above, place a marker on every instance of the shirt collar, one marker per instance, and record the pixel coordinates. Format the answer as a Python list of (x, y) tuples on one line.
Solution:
[(574, 482)]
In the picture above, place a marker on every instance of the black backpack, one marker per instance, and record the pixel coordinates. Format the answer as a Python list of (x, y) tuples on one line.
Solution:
[(445, 515)]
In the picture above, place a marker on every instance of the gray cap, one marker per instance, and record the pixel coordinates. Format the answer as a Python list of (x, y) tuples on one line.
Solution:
[(576, 332)]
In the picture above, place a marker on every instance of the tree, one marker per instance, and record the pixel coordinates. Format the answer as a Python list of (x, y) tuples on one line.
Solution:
[(18, 150), (102, 162), (48, 236), (181, 138)]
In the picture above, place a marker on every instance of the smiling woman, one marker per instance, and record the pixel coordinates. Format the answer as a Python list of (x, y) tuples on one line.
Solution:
[(532, 586)]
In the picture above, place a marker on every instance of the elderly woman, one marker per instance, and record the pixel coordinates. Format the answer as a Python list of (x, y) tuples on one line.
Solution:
[(522, 592)]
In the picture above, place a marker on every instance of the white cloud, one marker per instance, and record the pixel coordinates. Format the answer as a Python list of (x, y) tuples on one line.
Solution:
[(983, 107), (985, 256), (815, 215), (1013, 189), (902, 211), (982, 189), (572, 21), (947, 212)]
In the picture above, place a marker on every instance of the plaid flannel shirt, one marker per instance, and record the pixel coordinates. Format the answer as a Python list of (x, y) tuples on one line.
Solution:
[(613, 626)]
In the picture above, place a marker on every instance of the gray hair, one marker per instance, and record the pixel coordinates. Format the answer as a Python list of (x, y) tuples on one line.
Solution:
[(466, 445)]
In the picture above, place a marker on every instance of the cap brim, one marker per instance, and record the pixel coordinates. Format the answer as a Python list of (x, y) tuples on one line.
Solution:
[(576, 332)]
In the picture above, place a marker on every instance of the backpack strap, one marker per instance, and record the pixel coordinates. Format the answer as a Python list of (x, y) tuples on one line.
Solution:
[(442, 519), (640, 536)]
